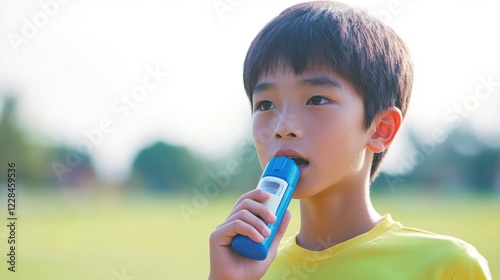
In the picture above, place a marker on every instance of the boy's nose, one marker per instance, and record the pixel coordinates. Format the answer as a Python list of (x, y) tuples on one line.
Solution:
[(287, 128)]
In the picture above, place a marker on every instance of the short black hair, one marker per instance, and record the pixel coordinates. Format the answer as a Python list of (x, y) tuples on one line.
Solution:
[(335, 37)]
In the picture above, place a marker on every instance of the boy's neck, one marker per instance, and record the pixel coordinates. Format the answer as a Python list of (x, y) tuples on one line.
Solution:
[(334, 217)]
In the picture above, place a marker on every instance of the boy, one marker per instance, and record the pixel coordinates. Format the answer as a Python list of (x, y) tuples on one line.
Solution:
[(329, 87)]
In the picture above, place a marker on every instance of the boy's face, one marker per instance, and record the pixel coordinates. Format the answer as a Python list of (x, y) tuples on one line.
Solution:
[(318, 118)]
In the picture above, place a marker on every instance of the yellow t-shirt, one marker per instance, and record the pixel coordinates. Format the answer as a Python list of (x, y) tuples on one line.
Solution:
[(388, 251)]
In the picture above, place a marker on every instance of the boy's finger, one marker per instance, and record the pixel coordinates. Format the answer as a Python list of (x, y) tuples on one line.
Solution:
[(255, 194), (224, 235), (250, 219), (256, 208)]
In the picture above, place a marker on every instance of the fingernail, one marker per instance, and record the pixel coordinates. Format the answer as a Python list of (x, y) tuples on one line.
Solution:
[(272, 217), (260, 238)]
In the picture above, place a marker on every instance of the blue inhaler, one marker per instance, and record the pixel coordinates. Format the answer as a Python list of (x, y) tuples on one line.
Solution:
[(279, 179)]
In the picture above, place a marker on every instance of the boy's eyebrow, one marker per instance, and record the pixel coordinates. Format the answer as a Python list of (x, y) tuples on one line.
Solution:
[(262, 87), (312, 81), (320, 81)]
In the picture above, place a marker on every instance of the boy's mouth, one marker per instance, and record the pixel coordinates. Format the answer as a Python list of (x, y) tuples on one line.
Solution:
[(299, 161)]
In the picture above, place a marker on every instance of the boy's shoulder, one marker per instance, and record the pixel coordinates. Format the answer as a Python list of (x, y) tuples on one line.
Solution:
[(415, 238), (444, 249), (440, 256), (388, 251)]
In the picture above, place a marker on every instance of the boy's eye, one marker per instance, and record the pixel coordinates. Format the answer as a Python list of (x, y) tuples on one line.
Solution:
[(264, 106), (318, 100)]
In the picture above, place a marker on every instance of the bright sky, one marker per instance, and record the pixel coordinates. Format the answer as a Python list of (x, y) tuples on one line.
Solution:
[(171, 70)]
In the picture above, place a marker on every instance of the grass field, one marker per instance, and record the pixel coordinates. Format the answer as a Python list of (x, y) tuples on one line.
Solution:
[(112, 238)]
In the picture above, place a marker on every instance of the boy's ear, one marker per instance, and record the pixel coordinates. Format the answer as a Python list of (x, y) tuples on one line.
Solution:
[(385, 127)]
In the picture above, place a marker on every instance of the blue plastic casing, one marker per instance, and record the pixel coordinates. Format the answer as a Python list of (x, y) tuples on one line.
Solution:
[(279, 178)]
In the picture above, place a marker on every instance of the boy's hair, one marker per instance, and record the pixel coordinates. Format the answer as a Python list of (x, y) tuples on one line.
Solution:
[(334, 37)]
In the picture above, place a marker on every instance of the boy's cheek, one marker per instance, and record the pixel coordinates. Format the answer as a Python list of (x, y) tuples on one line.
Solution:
[(262, 135), (263, 151)]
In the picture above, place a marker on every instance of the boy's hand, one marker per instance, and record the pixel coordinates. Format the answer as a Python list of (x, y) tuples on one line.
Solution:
[(225, 263)]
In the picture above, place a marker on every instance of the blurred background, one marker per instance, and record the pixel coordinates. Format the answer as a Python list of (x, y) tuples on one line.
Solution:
[(130, 130)]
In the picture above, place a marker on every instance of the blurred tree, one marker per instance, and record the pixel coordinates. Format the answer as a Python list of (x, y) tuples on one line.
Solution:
[(13, 144), (164, 167), (33, 161), (460, 162), (12, 140), (485, 165), (70, 167)]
